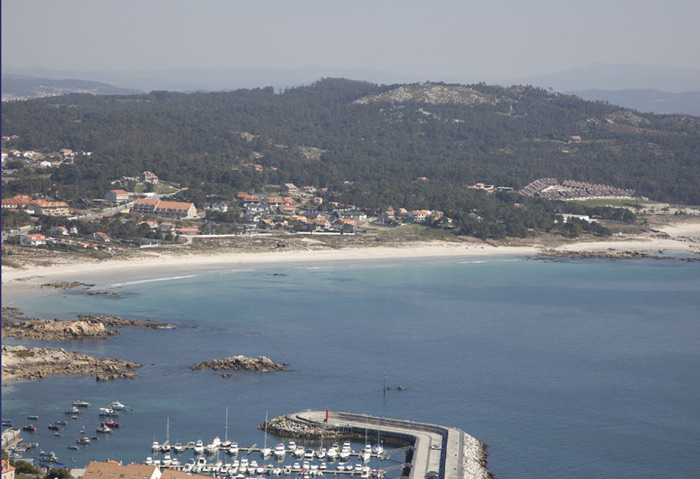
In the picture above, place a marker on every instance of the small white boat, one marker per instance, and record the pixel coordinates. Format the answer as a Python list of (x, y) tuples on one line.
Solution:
[(177, 448), (287, 470), (148, 461), (321, 452), (81, 404), (299, 451), (366, 453), (323, 466), (166, 460), (213, 446), (198, 447), (345, 451), (104, 429), (233, 448), (358, 467), (280, 451), (332, 452), (117, 406), (155, 446), (291, 446), (309, 454), (108, 411)]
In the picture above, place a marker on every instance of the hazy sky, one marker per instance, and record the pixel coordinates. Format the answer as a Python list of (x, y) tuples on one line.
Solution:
[(432, 38)]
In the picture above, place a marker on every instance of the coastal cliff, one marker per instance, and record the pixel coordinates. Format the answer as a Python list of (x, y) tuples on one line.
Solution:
[(20, 362)]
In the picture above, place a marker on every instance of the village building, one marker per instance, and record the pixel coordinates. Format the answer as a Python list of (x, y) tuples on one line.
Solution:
[(258, 168), (18, 202), (51, 208), (166, 209), (32, 240), (117, 196), (100, 236), (8, 471), (418, 216), (59, 231), (291, 188), (149, 177)]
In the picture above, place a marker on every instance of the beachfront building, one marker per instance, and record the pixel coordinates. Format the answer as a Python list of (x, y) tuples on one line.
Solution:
[(166, 209), (32, 240)]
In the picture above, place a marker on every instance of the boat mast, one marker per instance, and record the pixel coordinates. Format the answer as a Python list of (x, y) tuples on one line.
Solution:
[(167, 431), (226, 429), (265, 446)]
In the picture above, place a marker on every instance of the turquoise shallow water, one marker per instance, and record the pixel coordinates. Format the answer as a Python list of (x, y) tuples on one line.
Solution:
[(565, 369)]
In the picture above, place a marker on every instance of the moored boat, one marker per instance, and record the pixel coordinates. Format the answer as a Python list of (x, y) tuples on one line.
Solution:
[(83, 440), (233, 448), (81, 404), (280, 451), (54, 427), (110, 424), (199, 447), (117, 406), (104, 429), (29, 427)]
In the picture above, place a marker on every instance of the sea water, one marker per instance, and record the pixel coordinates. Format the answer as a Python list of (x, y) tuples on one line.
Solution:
[(565, 369)]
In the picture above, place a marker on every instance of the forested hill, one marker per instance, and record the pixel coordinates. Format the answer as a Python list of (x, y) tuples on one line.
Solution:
[(380, 138)]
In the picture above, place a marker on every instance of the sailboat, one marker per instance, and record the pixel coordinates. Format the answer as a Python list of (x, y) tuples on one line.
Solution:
[(378, 448), (266, 451)]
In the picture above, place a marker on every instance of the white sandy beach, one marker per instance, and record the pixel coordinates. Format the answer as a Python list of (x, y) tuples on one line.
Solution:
[(682, 239)]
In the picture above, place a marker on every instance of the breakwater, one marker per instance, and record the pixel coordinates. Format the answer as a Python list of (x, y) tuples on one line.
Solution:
[(437, 451)]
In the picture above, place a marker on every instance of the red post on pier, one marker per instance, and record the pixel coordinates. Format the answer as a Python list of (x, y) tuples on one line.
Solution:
[(326, 414)]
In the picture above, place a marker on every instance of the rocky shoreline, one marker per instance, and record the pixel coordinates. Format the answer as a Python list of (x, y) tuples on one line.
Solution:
[(611, 254), (20, 362), (261, 364), (86, 326)]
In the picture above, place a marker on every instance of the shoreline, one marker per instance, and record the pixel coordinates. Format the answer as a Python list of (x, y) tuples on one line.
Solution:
[(676, 240)]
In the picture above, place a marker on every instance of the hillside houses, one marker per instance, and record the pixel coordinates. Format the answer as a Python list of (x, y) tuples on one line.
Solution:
[(38, 207)]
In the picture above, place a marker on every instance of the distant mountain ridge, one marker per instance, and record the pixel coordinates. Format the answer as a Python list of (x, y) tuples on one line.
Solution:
[(647, 100), (22, 87)]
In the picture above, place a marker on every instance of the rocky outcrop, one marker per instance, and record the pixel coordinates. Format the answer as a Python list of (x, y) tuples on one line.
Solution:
[(282, 426), (20, 362), (260, 364), (87, 326), (611, 254), (67, 285)]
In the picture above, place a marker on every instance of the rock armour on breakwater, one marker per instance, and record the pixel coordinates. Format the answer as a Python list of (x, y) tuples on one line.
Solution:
[(260, 364), (20, 362), (282, 426)]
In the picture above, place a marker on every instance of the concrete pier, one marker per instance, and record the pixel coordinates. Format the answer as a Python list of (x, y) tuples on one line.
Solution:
[(439, 452)]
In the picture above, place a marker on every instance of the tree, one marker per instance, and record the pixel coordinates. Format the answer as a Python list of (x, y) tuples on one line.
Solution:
[(59, 473)]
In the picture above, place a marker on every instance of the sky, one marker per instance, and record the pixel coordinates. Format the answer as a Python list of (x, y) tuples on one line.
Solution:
[(437, 38)]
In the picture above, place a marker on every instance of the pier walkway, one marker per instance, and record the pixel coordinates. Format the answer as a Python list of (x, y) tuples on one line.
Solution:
[(439, 452)]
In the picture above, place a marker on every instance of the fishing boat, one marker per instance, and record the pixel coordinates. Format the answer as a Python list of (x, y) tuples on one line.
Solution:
[(110, 424), (62, 422), (108, 411), (48, 456), (29, 427), (81, 404), (83, 440), (54, 427), (32, 417), (104, 429)]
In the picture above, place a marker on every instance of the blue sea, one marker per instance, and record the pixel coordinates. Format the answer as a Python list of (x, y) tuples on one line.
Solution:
[(565, 369)]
